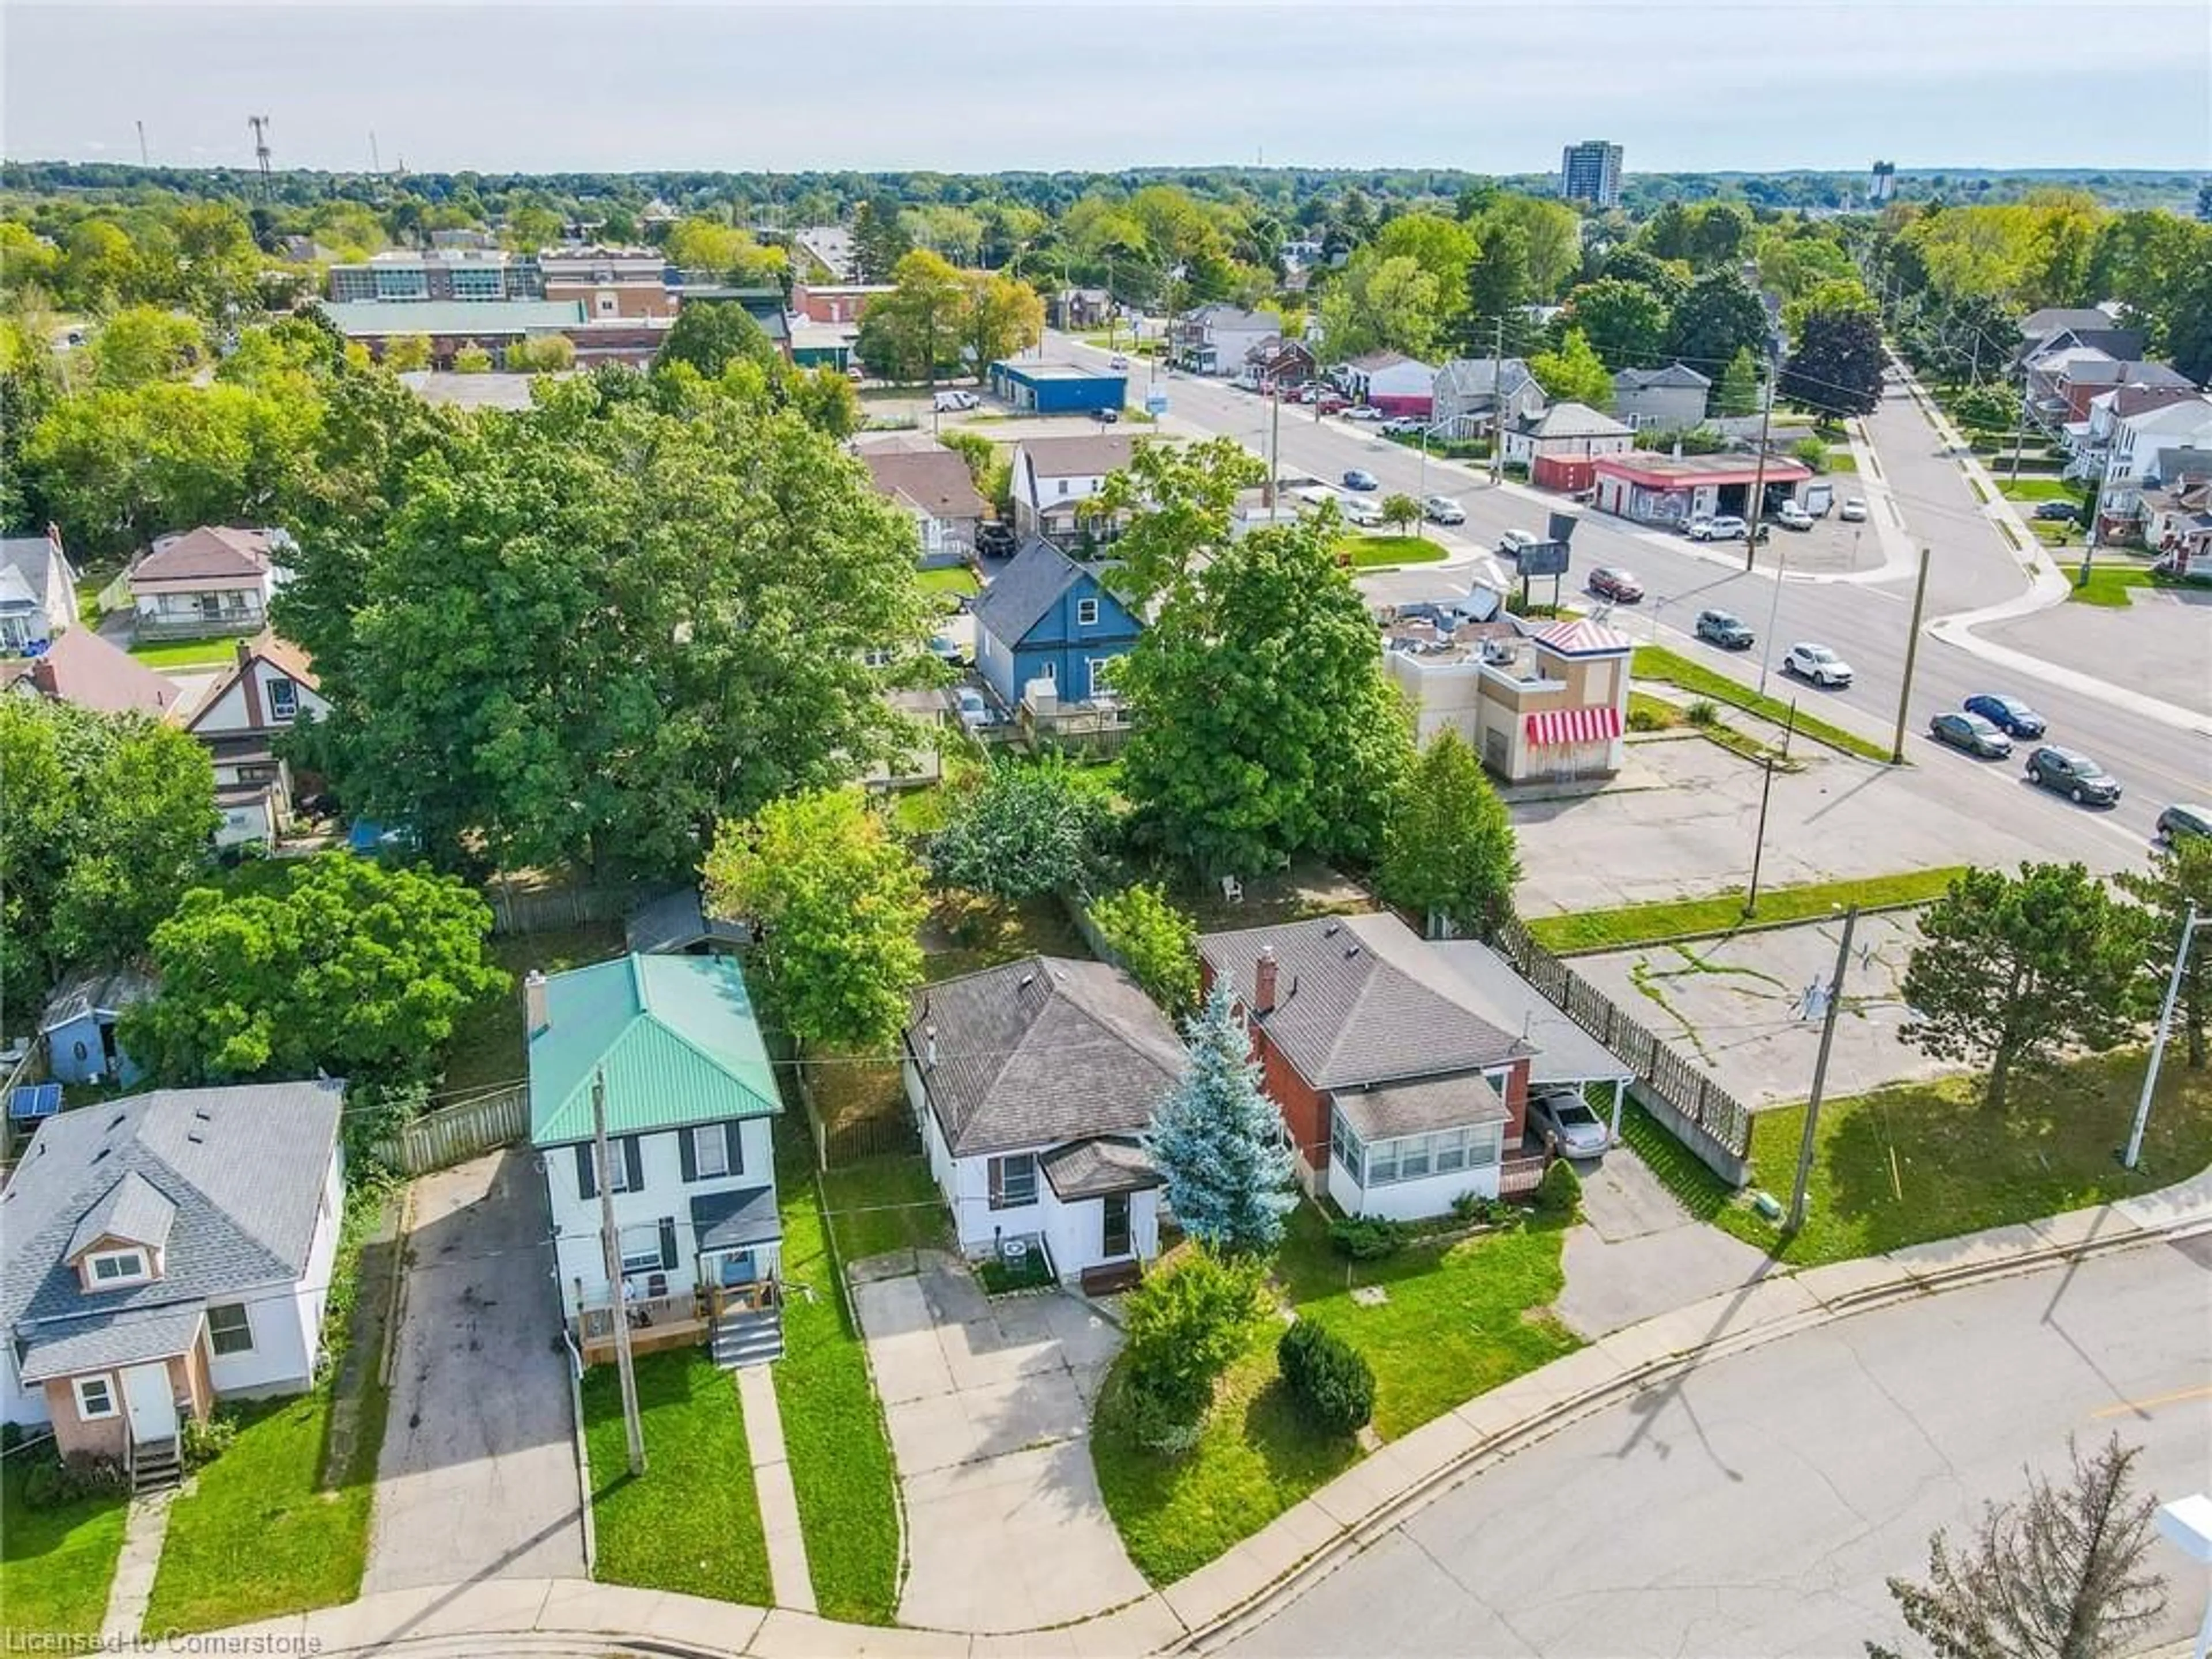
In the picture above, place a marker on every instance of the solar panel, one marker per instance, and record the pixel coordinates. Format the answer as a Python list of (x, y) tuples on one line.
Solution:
[(34, 1101)]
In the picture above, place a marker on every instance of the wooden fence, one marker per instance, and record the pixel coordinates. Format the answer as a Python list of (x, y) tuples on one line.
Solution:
[(1712, 1122), (550, 909), (438, 1139)]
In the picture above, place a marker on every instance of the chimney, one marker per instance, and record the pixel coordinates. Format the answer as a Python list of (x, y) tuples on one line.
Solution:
[(245, 650), (42, 676), (536, 1017), (1263, 982)]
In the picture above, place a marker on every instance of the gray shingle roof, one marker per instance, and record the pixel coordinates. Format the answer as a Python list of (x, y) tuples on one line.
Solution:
[(1040, 1051), (1416, 1107), (676, 922), (1087, 1168), (1361, 1000), (211, 553), (243, 1166), (1573, 420), (131, 1212), (1674, 374), (97, 990), (29, 560), (105, 1341), (1025, 590), (1088, 456), (726, 1220)]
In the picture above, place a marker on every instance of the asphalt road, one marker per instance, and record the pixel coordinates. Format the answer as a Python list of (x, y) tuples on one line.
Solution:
[(1970, 566), (1757, 1507)]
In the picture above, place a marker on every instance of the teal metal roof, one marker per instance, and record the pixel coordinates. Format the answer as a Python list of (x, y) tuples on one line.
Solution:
[(675, 1037)]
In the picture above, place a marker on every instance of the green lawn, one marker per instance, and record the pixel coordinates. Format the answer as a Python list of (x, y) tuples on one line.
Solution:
[(2028, 489), (948, 578), (1840, 459), (1680, 1171), (883, 1204), (2109, 585), (1654, 662), (1959, 1168), (1366, 552), (1644, 924), (55, 1565), (691, 1523), (187, 653), (1457, 1320), (487, 1048), (978, 932), (833, 1426)]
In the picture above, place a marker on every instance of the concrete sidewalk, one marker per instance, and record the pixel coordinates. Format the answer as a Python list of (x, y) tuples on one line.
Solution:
[(559, 1614)]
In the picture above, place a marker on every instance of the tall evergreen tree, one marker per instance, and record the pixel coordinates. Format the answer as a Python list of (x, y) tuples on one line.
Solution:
[(1738, 391), (1219, 1142)]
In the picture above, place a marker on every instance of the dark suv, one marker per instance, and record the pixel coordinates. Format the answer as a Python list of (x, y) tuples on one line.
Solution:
[(995, 540), (2074, 775)]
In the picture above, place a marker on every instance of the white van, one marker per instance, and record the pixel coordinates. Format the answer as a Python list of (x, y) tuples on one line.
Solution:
[(955, 402)]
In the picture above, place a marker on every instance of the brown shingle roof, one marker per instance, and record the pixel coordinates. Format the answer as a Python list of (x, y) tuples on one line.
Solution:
[(936, 481), (83, 669), (1079, 458), (210, 551)]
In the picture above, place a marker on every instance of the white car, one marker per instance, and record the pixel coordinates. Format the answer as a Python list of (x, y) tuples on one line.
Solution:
[(1362, 412), (955, 402), (1513, 541), (1365, 514), (1726, 527), (1442, 509), (1118, 361), (975, 712), (1818, 663), (1790, 516), (1853, 511)]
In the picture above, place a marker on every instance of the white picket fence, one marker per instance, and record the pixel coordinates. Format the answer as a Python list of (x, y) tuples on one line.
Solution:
[(438, 1139)]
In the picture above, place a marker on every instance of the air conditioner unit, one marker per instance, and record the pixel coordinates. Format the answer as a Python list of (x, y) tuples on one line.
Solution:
[(1014, 1251)]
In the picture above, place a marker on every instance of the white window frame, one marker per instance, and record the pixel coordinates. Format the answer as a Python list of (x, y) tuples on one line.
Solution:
[(283, 690), (1005, 1188), (708, 1141), (618, 1167), (107, 1281), (1086, 613), (217, 1336), (1099, 665), (106, 1384), (645, 1261)]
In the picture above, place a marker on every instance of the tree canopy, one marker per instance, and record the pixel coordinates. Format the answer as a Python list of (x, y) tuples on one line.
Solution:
[(1837, 367), (1218, 1141), (1574, 373), (1449, 851), (1031, 828)]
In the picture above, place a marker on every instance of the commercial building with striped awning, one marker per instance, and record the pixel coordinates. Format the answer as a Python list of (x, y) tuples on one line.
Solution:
[(1551, 727)]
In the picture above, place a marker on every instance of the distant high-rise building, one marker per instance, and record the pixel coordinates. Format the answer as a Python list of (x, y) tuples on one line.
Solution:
[(1590, 171), (1885, 183)]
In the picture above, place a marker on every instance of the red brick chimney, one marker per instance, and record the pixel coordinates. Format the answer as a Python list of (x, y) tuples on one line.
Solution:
[(42, 676), (1263, 982)]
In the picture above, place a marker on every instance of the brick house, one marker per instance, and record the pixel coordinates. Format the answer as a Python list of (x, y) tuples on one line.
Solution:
[(1399, 1095)]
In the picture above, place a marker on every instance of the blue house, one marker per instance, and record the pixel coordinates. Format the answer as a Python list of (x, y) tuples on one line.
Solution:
[(1047, 618), (79, 1026), (1044, 388)]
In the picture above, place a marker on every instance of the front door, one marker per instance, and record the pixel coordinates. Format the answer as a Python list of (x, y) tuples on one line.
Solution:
[(1114, 1209), (736, 1269), (150, 1402)]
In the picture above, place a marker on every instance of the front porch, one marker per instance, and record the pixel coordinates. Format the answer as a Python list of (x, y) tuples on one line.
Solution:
[(735, 1320)]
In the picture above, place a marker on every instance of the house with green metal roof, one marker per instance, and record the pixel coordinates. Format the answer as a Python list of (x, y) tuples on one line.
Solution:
[(666, 1051)]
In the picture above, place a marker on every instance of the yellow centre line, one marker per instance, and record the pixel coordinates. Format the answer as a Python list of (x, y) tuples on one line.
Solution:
[(2128, 1407)]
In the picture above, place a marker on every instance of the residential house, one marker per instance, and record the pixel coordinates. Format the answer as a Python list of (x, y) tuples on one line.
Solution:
[(1560, 446), (2089, 442), (37, 591), (1670, 490), (2123, 344), (1217, 339), (608, 282), (1072, 309), (665, 1051), (82, 669), (935, 717), (2061, 386), (1669, 399), (1031, 1083), (836, 302), (1391, 381), (1033, 387), (1538, 702), (936, 488), (2131, 459), (79, 1026), (203, 583), (1048, 618), (166, 1251), (1473, 394), (2057, 319), (677, 924), (2177, 522), (1399, 1094), (1053, 477), (1275, 361), (269, 690)]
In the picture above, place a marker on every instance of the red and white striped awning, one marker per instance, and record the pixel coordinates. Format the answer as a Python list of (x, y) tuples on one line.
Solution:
[(1555, 726)]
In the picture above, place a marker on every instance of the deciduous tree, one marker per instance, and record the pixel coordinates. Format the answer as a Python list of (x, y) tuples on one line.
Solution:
[(1001, 317), (1574, 373), (836, 901), (1448, 852), (1401, 510), (916, 332), (1218, 1141), (1625, 322), (2180, 875), (1837, 365), (1715, 319), (711, 334), (1031, 828), (1156, 943)]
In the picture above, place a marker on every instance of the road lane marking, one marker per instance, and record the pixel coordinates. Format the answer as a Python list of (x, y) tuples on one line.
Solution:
[(2134, 1407)]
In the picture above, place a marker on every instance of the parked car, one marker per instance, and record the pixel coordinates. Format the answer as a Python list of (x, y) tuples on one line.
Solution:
[(1357, 479), (1853, 511), (1362, 412), (1726, 631), (947, 651), (1398, 425), (1510, 544), (1724, 527), (955, 402), (2009, 715), (1611, 582), (2073, 775), (1117, 361), (1107, 416), (1971, 733), (2057, 511), (1442, 509), (1818, 663), (1365, 514), (2182, 819), (995, 540), (975, 712), (1790, 516), (1564, 1113)]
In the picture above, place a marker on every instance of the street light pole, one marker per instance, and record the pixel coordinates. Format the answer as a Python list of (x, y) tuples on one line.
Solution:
[(1796, 1218), (2157, 1042)]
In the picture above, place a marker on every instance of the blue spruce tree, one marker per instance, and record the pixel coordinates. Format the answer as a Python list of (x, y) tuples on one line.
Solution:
[(1219, 1144)]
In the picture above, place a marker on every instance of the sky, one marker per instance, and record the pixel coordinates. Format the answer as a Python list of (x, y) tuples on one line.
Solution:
[(988, 86)]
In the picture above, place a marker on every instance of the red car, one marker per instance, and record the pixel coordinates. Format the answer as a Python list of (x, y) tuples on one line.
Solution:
[(1609, 583)]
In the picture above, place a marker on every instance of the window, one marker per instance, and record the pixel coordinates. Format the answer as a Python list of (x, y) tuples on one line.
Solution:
[(1413, 1158), (607, 305), (1063, 486), (229, 1330), (1450, 1150), (118, 1268), (1086, 613), (1482, 1145), (1344, 1146), (1382, 1164), (641, 1251), (95, 1397), (710, 1150), (283, 699), (1099, 686), (1013, 1180), (1052, 672)]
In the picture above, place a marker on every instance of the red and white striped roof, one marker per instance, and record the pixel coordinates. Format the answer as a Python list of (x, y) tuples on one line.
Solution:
[(1556, 726), (1581, 637)]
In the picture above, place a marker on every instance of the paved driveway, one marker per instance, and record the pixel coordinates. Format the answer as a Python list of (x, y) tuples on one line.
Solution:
[(1639, 1254), (989, 1407), (478, 1474)]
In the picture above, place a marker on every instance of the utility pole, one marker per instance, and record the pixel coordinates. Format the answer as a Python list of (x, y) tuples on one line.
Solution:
[(1759, 473), (1796, 1218), (1759, 840), (144, 160), (611, 1245), (1911, 655), (1497, 406), (1275, 442), (2157, 1042), (260, 126), (375, 160)]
